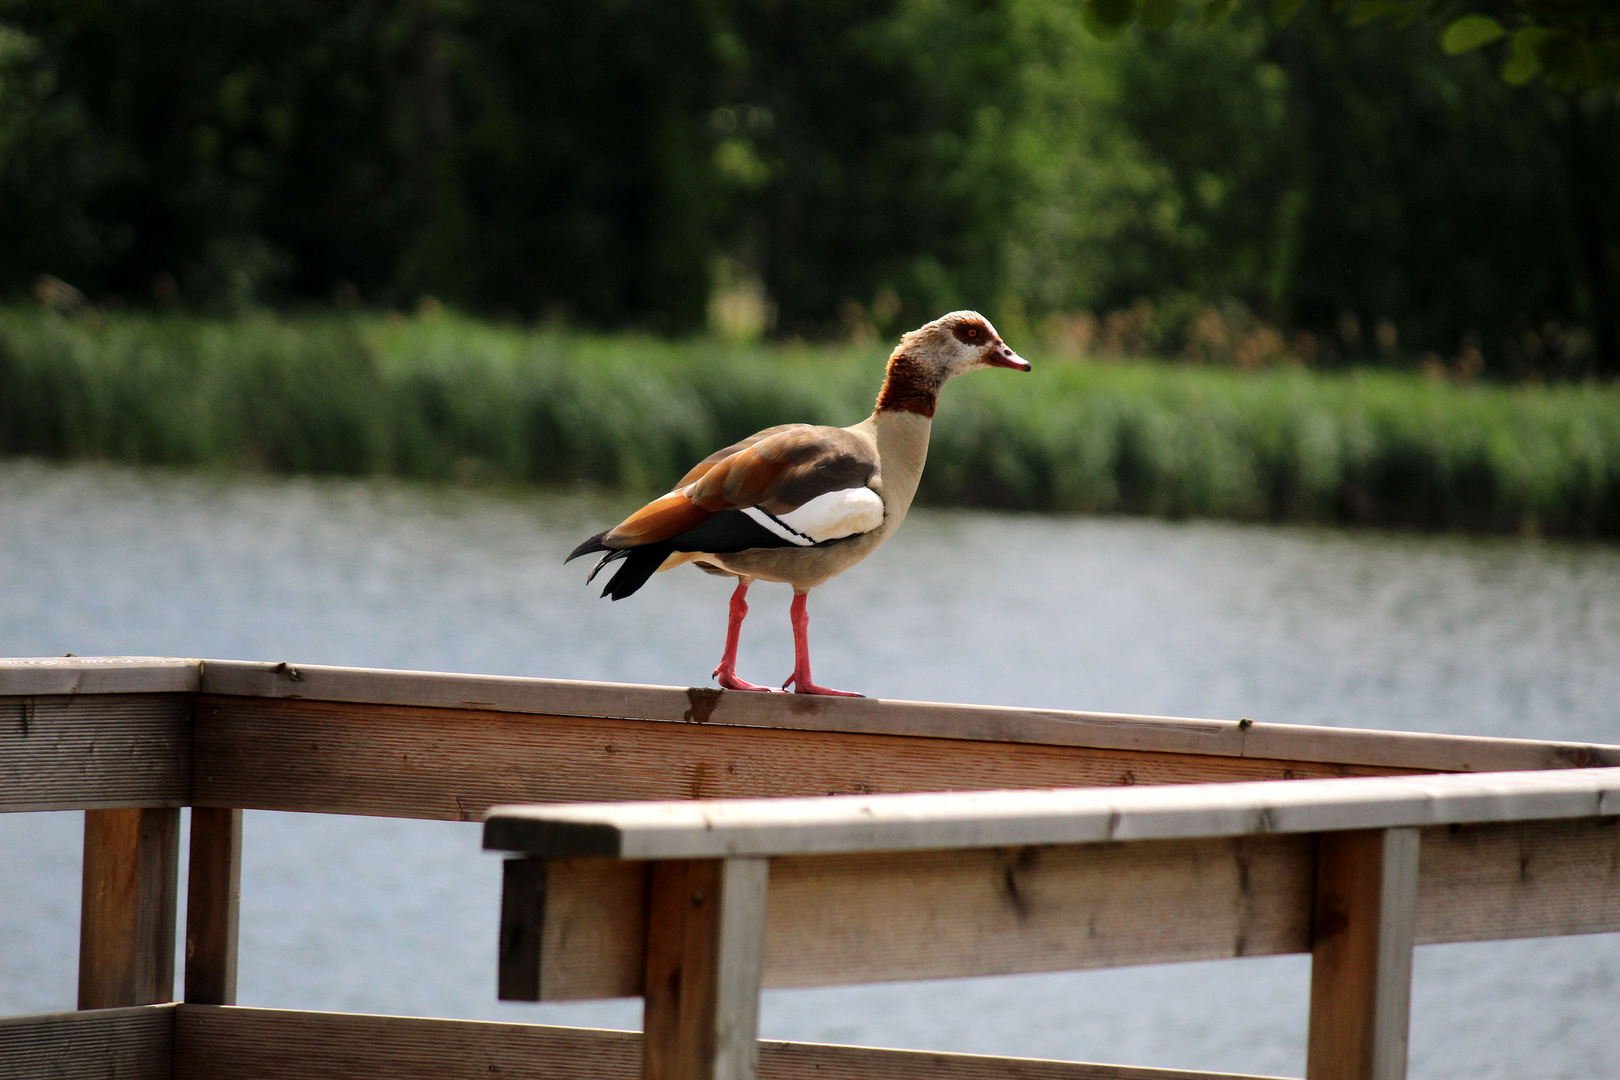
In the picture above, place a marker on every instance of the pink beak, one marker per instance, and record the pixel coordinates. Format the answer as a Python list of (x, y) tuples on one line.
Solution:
[(1002, 356)]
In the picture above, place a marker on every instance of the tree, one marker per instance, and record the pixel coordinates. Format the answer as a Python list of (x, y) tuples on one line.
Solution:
[(1573, 43)]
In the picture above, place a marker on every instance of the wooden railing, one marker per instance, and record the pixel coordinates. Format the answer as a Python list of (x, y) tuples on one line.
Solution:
[(668, 900), (130, 741)]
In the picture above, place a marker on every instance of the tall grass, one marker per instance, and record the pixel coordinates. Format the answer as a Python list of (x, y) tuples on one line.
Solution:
[(447, 398)]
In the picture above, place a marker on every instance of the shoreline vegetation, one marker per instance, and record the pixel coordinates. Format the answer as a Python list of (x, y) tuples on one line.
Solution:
[(440, 397)]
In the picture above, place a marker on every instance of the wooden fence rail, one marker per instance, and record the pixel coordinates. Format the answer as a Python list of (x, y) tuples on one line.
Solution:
[(696, 906), (130, 741)]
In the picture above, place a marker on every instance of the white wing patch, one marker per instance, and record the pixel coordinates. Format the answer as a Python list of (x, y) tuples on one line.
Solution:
[(836, 515), (774, 526)]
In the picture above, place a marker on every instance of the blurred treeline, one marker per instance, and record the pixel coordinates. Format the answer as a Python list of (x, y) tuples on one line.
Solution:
[(1232, 192)]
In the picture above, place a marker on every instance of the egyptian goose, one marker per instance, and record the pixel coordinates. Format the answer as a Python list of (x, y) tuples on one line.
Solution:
[(800, 503)]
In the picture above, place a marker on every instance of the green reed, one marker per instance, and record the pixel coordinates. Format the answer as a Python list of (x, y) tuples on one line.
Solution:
[(441, 397)]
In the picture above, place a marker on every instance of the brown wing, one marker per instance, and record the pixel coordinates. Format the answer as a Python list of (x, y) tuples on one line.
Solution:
[(785, 470), (779, 469), (709, 462)]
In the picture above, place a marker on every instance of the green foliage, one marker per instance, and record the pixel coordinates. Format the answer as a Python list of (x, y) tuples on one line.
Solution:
[(571, 158), (1471, 32), (452, 399), (1325, 180), (1574, 43), (840, 166), (1109, 18)]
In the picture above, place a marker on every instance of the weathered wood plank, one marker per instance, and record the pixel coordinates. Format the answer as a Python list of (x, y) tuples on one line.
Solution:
[(126, 917), (909, 822), (593, 940), (1407, 751), (937, 914), (523, 919), (108, 1044), (37, 676), (705, 926), (1537, 879), (266, 1044), (924, 915), (1361, 956), (213, 905), (92, 751), (836, 919), (436, 763)]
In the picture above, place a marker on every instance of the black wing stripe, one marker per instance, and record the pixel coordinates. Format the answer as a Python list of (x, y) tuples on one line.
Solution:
[(729, 530)]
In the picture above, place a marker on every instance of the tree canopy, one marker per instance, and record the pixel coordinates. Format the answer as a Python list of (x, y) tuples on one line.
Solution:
[(858, 162), (1572, 43)]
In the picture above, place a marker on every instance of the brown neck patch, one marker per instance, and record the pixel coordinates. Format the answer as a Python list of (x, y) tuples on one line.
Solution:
[(910, 386)]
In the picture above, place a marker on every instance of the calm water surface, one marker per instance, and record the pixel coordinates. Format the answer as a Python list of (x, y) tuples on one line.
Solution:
[(1490, 637)]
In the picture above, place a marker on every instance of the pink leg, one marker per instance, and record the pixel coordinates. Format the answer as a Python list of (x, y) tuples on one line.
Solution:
[(800, 679), (726, 673)]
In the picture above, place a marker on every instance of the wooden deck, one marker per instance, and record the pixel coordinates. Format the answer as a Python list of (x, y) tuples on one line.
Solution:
[(918, 870)]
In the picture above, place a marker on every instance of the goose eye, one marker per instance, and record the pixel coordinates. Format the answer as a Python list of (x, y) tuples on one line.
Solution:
[(973, 331)]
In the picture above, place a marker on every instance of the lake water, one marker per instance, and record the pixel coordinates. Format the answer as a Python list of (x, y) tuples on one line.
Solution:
[(1475, 636)]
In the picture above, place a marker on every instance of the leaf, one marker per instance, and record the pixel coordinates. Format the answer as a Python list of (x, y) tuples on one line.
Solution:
[(1469, 33), (1369, 10), (1565, 60), (1107, 18), (1283, 11), (1160, 14), (1524, 56), (1216, 10)]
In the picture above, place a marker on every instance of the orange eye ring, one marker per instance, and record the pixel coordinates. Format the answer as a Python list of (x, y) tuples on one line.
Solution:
[(973, 331)]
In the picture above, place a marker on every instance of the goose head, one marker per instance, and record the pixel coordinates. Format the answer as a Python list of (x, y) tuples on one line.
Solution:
[(937, 352)]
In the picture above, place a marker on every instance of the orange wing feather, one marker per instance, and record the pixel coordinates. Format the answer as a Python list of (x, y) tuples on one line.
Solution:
[(660, 519)]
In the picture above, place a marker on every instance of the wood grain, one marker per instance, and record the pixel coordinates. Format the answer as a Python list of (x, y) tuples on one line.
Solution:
[(265, 1044), (681, 983), (1536, 879), (523, 919), (455, 763), (213, 905), (1361, 956), (79, 752), (42, 675), (1414, 751), (594, 936), (743, 886), (934, 820), (108, 1044), (916, 915), (705, 925), (936, 914), (127, 909)]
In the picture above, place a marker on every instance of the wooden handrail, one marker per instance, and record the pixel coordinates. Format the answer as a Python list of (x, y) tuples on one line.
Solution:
[(696, 906), (891, 823), (125, 732), (1159, 844)]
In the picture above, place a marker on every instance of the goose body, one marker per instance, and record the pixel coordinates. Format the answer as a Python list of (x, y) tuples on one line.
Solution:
[(801, 503)]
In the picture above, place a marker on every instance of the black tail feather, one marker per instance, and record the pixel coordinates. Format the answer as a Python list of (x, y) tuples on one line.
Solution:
[(639, 565), (593, 544), (609, 557)]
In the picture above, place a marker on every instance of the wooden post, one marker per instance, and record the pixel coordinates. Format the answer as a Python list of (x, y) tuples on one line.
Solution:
[(523, 921), (126, 918), (1361, 957), (705, 939), (213, 903)]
